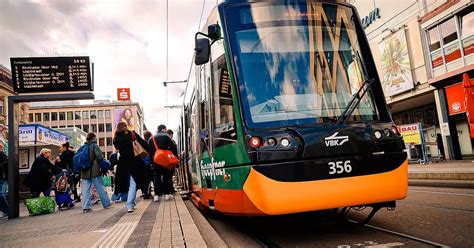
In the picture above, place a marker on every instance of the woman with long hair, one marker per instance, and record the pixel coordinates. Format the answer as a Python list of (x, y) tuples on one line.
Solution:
[(130, 169)]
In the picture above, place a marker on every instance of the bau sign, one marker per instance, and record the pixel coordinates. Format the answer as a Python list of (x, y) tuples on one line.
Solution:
[(371, 17)]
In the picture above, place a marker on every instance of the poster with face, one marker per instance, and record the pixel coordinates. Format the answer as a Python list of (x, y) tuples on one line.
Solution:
[(125, 115)]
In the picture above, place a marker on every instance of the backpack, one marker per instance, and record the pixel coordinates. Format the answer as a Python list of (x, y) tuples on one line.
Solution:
[(82, 160), (61, 184)]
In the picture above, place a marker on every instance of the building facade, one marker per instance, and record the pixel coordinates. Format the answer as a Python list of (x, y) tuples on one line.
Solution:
[(100, 117), (6, 90), (408, 61)]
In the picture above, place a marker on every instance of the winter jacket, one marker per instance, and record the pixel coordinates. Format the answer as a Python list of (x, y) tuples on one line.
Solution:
[(39, 178), (3, 166), (66, 160), (128, 164), (164, 142), (95, 155)]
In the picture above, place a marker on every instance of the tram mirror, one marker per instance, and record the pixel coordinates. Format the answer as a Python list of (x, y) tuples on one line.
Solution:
[(214, 32), (201, 51)]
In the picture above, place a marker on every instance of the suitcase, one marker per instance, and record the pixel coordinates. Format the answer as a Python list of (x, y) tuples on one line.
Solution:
[(40, 205), (63, 200)]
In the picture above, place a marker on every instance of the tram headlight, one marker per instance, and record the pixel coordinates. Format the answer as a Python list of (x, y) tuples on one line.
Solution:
[(285, 142), (378, 134), (271, 142), (255, 142), (387, 133)]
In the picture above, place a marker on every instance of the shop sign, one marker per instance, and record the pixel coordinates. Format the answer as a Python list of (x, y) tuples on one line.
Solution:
[(436, 58), (396, 65), (455, 95), (123, 94), (445, 129), (452, 52), (48, 136), (468, 44), (371, 17), (26, 134), (51, 74), (411, 133)]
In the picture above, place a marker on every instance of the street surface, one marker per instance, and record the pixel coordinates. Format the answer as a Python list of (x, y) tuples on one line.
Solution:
[(444, 216)]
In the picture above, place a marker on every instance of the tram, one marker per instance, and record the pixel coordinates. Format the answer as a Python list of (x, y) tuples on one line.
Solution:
[(284, 113)]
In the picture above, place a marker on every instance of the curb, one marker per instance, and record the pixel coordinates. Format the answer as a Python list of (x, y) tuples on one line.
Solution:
[(441, 175), (465, 184), (191, 234)]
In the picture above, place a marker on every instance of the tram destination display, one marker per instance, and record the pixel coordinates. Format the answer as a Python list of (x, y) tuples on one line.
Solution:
[(51, 74)]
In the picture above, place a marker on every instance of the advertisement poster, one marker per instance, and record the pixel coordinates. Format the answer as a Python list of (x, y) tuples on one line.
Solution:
[(24, 155), (125, 115), (48, 136), (395, 63), (410, 133)]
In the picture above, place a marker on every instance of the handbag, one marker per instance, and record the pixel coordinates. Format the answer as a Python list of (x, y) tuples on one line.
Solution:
[(138, 150), (107, 181), (164, 158)]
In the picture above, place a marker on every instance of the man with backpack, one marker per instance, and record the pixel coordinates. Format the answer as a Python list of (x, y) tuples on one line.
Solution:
[(87, 161)]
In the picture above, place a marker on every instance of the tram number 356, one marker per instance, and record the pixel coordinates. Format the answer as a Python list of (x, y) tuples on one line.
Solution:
[(339, 167)]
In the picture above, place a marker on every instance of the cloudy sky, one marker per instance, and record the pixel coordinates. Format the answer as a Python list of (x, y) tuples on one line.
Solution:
[(126, 40)]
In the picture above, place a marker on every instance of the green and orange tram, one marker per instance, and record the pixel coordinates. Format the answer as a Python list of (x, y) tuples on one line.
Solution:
[(284, 113)]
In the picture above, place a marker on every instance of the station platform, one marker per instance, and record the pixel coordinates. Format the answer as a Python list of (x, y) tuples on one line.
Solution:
[(454, 174), (167, 223)]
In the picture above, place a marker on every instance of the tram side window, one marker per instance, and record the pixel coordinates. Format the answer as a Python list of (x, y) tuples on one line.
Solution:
[(224, 124)]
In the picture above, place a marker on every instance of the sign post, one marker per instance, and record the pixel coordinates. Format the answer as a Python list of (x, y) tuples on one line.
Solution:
[(68, 77)]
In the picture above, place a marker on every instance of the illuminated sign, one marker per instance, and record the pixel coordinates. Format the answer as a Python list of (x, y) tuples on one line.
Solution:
[(50, 74), (371, 17), (123, 94)]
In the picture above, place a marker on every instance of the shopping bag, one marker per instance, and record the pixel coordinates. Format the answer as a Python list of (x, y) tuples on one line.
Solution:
[(107, 181), (40, 205)]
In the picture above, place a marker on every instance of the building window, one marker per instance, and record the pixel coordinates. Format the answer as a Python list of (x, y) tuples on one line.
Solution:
[(85, 115), (100, 114), (108, 127), (467, 34), (77, 115), (54, 116), (30, 117), (62, 116), (109, 141), (85, 128), (101, 142), (94, 128), (93, 114), (2, 106), (70, 116), (37, 117), (45, 116), (101, 128), (107, 114), (78, 126)]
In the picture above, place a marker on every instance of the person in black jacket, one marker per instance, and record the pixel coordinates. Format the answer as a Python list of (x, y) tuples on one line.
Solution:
[(41, 174), (130, 169), (3, 182), (65, 162), (163, 182)]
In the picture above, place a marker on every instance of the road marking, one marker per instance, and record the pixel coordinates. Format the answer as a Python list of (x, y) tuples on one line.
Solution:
[(393, 244), (442, 193)]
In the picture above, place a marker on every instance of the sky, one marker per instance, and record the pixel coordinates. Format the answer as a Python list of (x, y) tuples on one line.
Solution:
[(126, 41)]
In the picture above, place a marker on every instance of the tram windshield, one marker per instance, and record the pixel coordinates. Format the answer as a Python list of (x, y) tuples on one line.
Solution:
[(297, 64)]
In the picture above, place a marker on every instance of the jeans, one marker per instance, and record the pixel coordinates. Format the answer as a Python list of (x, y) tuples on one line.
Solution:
[(132, 193), (3, 196), (120, 196), (86, 192)]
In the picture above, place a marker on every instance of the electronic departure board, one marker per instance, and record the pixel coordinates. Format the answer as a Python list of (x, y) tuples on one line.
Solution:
[(50, 74)]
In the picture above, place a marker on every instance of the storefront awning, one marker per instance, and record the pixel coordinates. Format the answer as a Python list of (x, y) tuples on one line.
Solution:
[(38, 135)]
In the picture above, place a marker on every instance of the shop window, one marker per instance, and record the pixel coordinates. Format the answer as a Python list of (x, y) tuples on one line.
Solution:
[(100, 114), (77, 115), (85, 115), (418, 116), (108, 127), (107, 114), (37, 117), (54, 116), (467, 33), (45, 116), (434, 43), (109, 141), (30, 117), (101, 142), (85, 128), (448, 31), (430, 116), (407, 118), (101, 128), (62, 116), (70, 116), (93, 114)]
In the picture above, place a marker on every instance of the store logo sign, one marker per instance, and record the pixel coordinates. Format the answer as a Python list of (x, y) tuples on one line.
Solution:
[(335, 140), (456, 106), (371, 17), (123, 94)]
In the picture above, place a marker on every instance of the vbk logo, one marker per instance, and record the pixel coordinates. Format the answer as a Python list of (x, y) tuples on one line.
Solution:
[(335, 140)]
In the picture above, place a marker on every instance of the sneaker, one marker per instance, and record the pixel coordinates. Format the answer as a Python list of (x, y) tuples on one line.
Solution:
[(170, 196), (156, 198), (130, 210), (112, 203), (4, 216), (167, 197), (87, 210)]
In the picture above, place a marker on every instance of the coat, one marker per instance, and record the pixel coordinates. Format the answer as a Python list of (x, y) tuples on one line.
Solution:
[(128, 165), (164, 142), (39, 178), (95, 155), (66, 160)]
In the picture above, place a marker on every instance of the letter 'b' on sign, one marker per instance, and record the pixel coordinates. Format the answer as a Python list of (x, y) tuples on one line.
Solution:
[(123, 94)]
